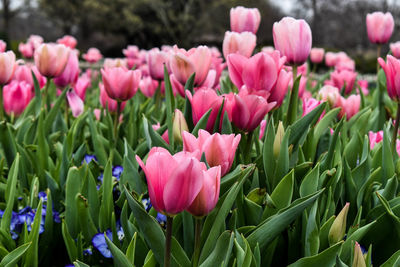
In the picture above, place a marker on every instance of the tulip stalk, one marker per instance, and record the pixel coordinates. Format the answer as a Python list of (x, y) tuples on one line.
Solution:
[(45, 95), (197, 233), (168, 237), (116, 122), (292, 107), (378, 55), (396, 127)]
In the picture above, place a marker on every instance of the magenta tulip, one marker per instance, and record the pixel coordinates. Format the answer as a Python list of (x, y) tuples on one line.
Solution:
[(92, 55), (75, 103), (392, 71), (68, 41), (156, 60), (309, 104), (380, 27), (245, 19), (219, 149), (121, 84), (374, 138), (7, 66), (51, 59), (241, 43), (280, 89), (344, 78), (395, 48), (107, 102), (70, 74), (293, 39), (173, 181), (16, 96), (317, 55)]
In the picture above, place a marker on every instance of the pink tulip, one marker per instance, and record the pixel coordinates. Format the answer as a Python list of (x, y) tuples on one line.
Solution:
[(3, 46), (26, 50), (242, 43), (173, 181), (245, 19), (330, 59), (75, 103), (302, 85), (81, 86), (248, 110), (177, 87), (349, 106), (68, 41), (398, 147), (392, 71), (16, 96), (309, 104), (7, 66), (70, 74), (132, 51), (115, 62), (278, 93), (344, 78), (263, 124), (121, 84), (164, 136), (184, 63), (107, 102), (364, 86), (268, 49), (380, 27), (330, 94), (51, 59), (92, 55), (35, 41), (208, 196), (148, 86), (317, 55), (210, 80), (219, 149), (218, 65), (374, 138), (395, 48), (345, 64), (293, 39), (24, 73), (156, 60), (203, 100)]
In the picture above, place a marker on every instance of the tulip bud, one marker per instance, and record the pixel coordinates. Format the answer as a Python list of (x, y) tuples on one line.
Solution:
[(338, 228), (358, 260), (280, 132), (179, 125)]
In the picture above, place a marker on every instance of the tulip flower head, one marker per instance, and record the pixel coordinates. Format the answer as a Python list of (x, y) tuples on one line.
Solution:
[(242, 43), (92, 55), (374, 138), (120, 84), (317, 55), (70, 74), (395, 48), (68, 41), (344, 79), (51, 59), (75, 103), (156, 60), (16, 96), (380, 27), (3, 46), (392, 72), (245, 19), (108, 103), (349, 106), (7, 66)]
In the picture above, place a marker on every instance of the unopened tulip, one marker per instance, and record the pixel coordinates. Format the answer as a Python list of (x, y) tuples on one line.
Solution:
[(374, 138), (179, 125), (51, 59), (174, 181), (92, 55), (81, 86), (219, 149), (280, 132), (358, 258), (364, 86), (26, 50), (16, 96), (349, 106), (338, 228), (68, 41), (148, 86), (344, 79), (380, 27), (156, 60), (107, 102), (75, 103), (329, 93), (121, 84), (70, 74), (242, 43), (395, 48), (392, 71), (317, 55), (7, 66), (245, 19), (3, 46), (293, 39), (184, 63), (208, 196), (132, 51)]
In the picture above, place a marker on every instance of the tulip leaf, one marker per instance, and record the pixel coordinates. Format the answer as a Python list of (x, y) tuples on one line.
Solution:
[(119, 257), (202, 123), (10, 194), (170, 104), (152, 137), (80, 264), (325, 258), (226, 125), (14, 256), (31, 258), (107, 202), (218, 119), (222, 251), (293, 102), (7, 142), (309, 184), (97, 144), (394, 260), (72, 188), (50, 118)]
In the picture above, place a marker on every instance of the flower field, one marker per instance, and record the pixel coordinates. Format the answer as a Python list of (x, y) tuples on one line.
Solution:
[(171, 157)]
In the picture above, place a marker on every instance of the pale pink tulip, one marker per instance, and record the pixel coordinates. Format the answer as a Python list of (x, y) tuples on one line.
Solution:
[(132, 51), (75, 103), (115, 62), (81, 85), (344, 79), (68, 41), (107, 102), (92, 55), (317, 55), (7, 66), (70, 74), (148, 86), (121, 84), (380, 27), (26, 50), (24, 73), (330, 94), (156, 60), (51, 59), (349, 106), (392, 71), (395, 48), (3, 46), (245, 19), (242, 43)]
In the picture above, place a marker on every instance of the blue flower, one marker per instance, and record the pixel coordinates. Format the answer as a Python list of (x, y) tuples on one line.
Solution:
[(87, 252), (99, 242), (88, 158), (161, 219), (56, 216), (117, 171), (146, 203), (43, 196)]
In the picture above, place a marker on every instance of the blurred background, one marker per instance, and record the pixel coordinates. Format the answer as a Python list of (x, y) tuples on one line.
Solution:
[(112, 25)]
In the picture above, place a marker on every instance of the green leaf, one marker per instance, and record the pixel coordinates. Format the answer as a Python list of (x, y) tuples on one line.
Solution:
[(97, 143), (202, 123), (325, 258), (221, 252), (107, 201), (10, 194), (130, 251), (72, 188), (170, 104), (69, 243), (293, 102), (8, 143), (119, 257), (152, 137), (50, 118), (80, 264), (309, 184), (282, 164), (218, 119), (13, 257), (31, 257), (394, 260)]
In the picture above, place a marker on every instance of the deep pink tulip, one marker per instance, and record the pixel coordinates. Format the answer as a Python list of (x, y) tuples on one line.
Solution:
[(184, 63), (364, 86), (3, 46), (309, 104), (392, 71), (75, 103), (70, 74), (395, 48), (121, 84), (7, 66), (107, 102), (380, 27), (68, 41), (16, 96), (293, 39), (248, 110), (280, 89), (203, 100), (219, 149), (26, 50), (24, 73), (330, 94), (156, 60), (349, 106), (242, 43), (51, 59), (148, 86), (208, 196), (245, 19), (173, 181), (317, 55), (81, 85), (92, 55), (263, 124), (344, 78), (132, 51), (374, 138)]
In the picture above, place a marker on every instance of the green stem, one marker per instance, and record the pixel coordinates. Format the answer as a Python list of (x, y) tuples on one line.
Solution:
[(1, 104), (378, 54), (168, 237), (116, 122), (45, 95), (396, 128), (197, 233), (66, 117), (292, 107)]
